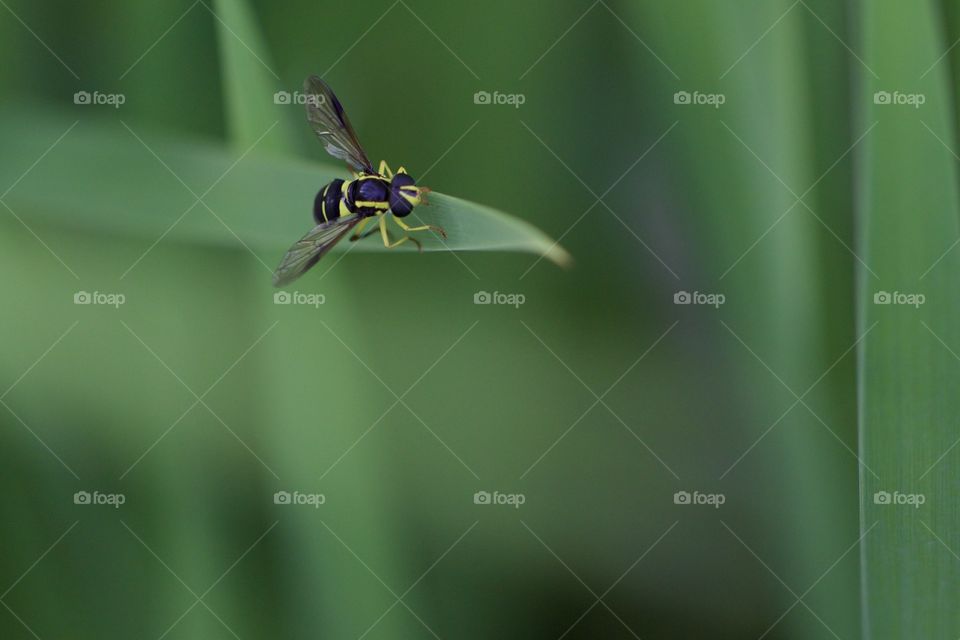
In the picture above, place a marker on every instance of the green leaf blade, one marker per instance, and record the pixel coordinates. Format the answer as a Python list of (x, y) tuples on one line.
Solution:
[(249, 82), (124, 179), (909, 368)]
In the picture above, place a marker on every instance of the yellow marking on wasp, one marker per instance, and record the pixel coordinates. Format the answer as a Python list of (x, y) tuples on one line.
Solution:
[(403, 225), (410, 193), (323, 203), (379, 205)]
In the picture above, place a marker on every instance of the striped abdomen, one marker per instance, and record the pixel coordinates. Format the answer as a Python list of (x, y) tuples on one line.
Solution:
[(326, 206), (366, 195)]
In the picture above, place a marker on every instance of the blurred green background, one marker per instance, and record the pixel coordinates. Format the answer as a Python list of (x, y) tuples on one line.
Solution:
[(600, 401)]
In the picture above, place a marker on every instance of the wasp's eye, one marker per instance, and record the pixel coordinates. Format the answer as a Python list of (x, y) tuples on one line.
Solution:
[(402, 202), (401, 180), (404, 196)]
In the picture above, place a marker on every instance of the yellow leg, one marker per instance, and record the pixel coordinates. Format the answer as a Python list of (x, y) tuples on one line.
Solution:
[(403, 225), (363, 223), (384, 170), (386, 237)]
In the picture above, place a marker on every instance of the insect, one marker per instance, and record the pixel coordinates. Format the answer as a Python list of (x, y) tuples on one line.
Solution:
[(341, 206)]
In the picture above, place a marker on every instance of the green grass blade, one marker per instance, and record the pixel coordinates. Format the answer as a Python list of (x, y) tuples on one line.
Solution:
[(134, 187), (323, 573), (787, 301), (249, 81), (909, 371)]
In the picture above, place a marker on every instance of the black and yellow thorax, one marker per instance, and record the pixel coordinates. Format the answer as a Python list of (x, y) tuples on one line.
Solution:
[(366, 195)]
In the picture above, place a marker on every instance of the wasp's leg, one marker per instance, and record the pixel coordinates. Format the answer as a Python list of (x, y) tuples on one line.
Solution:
[(363, 223), (366, 235), (386, 237), (403, 225), (384, 170)]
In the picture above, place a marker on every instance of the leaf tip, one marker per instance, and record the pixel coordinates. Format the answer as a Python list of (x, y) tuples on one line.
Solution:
[(559, 256)]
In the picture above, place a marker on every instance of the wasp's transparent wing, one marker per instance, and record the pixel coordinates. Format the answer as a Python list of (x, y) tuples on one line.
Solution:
[(310, 248), (329, 121)]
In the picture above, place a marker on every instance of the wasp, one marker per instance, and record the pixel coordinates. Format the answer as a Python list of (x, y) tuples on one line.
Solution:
[(344, 205)]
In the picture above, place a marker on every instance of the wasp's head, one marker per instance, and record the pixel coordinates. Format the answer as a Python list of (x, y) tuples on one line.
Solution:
[(405, 194)]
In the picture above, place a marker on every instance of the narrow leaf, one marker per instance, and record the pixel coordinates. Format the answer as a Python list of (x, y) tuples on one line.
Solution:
[(909, 368), (118, 177)]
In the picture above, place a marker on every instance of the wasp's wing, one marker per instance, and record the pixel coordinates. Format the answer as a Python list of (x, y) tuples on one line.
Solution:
[(310, 248), (329, 121)]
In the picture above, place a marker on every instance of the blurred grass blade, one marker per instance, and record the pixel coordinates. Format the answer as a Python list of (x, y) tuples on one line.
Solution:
[(909, 370), (264, 200), (249, 82), (790, 273), (328, 576)]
